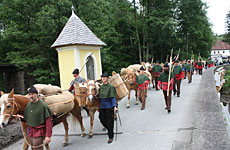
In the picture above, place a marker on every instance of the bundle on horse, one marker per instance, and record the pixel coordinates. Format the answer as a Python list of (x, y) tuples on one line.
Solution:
[(14, 105)]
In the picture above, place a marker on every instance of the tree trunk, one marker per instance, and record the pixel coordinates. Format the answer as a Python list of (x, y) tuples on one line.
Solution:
[(143, 30), (147, 28), (138, 39), (161, 53), (130, 37)]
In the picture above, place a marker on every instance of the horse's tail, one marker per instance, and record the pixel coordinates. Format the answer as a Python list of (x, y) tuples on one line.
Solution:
[(75, 115), (74, 123)]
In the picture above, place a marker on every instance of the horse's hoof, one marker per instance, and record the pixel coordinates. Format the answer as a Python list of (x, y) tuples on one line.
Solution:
[(64, 144), (83, 135), (127, 106), (90, 136)]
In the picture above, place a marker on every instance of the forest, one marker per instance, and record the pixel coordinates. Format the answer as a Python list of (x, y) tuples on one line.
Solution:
[(134, 31)]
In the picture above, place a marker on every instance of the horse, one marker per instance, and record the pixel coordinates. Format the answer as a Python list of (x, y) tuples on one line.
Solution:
[(92, 102), (15, 105), (130, 82), (150, 70)]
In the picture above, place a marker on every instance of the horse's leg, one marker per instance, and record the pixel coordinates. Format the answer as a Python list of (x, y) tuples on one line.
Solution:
[(47, 147), (128, 104), (91, 114), (136, 96), (153, 81), (77, 113), (24, 130), (65, 123)]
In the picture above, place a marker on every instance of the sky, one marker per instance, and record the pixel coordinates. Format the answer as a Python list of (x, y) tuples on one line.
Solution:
[(217, 14)]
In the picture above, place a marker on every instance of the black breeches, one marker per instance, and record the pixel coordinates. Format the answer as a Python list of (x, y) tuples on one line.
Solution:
[(106, 117)]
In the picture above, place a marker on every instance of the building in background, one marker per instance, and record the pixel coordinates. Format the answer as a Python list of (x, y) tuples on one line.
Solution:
[(75, 45), (220, 51)]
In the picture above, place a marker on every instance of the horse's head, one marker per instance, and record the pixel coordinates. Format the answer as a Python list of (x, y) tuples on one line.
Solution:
[(130, 78), (9, 107), (149, 68), (92, 89)]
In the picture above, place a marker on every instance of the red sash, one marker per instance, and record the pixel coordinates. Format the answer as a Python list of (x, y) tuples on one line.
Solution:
[(156, 74), (179, 76)]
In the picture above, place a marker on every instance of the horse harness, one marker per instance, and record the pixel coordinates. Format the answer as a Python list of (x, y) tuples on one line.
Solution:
[(14, 104)]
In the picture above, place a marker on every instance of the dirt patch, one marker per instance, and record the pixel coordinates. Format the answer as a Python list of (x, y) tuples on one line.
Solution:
[(10, 134)]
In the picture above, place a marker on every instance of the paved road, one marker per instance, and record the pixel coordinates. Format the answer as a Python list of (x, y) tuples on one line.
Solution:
[(149, 129)]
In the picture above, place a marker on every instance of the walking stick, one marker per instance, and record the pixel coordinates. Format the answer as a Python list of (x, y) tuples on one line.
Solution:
[(167, 57), (117, 113), (170, 67), (176, 58), (116, 130), (85, 63), (119, 118)]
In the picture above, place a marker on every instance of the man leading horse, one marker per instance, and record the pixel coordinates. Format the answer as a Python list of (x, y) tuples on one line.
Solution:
[(38, 119)]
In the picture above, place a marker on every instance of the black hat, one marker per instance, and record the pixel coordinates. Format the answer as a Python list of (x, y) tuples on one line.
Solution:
[(142, 68), (157, 61), (176, 61), (75, 71), (166, 65), (32, 90), (105, 75)]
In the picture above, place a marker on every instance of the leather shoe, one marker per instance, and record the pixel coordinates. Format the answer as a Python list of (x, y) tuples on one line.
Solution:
[(169, 110), (110, 141)]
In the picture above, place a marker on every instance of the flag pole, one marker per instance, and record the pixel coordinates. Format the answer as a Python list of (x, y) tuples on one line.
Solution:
[(170, 67), (85, 63)]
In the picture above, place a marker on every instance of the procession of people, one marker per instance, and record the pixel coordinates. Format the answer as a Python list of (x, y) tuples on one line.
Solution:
[(167, 77)]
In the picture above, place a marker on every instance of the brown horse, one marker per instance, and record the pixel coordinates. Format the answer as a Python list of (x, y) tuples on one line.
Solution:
[(15, 105), (130, 82), (152, 75), (92, 102)]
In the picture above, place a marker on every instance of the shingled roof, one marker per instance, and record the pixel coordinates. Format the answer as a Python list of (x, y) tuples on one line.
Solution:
[(76, 32), (220, 45)]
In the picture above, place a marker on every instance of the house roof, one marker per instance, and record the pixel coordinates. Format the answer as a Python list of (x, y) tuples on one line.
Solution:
[(76, 32), (220, 45)]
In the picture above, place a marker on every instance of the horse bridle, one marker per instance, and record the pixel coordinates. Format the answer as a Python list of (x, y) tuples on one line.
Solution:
[(14, 104), (90, 92), (126, 79)]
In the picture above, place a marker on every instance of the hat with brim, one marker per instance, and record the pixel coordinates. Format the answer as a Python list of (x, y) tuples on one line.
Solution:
[(142, 68), (105, 75), (32, 90), (176, 61), (166, 65), (75, 71)]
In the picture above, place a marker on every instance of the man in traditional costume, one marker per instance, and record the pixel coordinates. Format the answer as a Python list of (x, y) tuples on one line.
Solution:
[(184, 69), (190, 70), (163, 84), (77, 79), (107, 97), (200, 67), (38, 120), (196, 66), (157, 69), (178, 73), (142, 80), (210, 63)]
